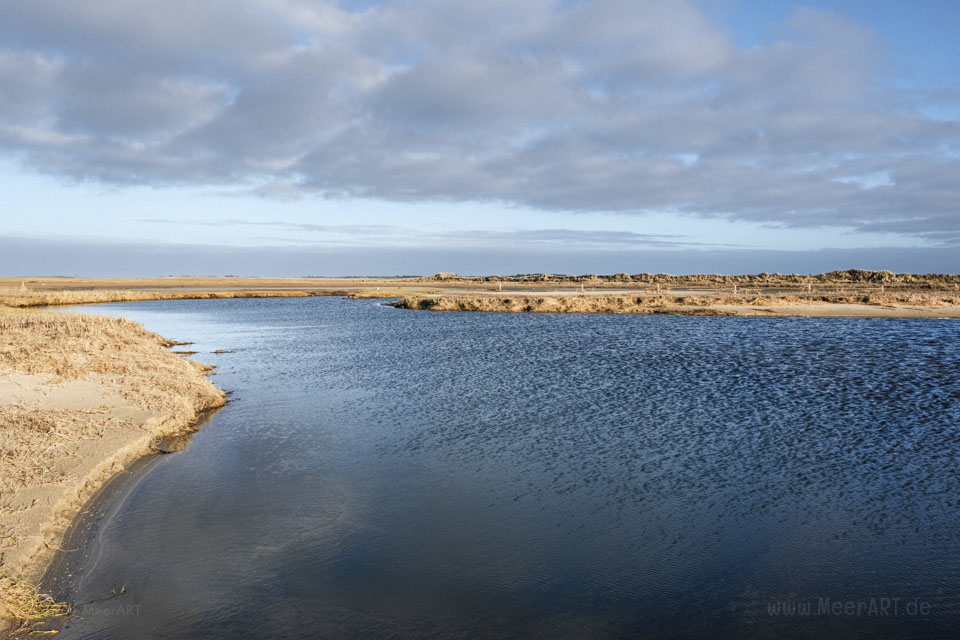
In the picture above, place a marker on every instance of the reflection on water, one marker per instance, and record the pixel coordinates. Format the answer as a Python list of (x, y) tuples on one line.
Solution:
[(386, 473)]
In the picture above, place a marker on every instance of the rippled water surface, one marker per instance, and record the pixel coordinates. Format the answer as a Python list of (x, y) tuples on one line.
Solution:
[(386, 473)]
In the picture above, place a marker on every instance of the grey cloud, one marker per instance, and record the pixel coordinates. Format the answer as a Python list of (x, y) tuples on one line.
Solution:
[(604, 105)]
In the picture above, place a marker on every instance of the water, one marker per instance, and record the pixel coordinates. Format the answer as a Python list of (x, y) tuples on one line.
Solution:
[(386, 473)]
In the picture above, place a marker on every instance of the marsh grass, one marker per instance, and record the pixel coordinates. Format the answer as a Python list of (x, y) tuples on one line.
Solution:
[(393, 292), (23, 297), (650, 302)]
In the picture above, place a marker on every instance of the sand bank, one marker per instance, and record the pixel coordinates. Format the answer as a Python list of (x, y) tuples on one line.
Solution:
[(80, 398), (896, 306)]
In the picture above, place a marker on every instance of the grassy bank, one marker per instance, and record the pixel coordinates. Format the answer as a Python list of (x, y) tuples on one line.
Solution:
[(24, 297), (906, 304), (80, 397)]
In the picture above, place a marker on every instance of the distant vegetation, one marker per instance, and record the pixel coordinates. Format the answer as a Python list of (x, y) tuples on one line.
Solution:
[(850, 276), (25, 297)]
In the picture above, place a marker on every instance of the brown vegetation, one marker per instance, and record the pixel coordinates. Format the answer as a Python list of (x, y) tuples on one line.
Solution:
[(139, 390), (25, 297), (367, 286), (687, 304), (202, 283), (834, 278)]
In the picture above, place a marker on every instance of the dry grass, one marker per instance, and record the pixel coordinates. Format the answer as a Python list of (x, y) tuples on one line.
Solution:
[(203, 283), (33, 292), (70, 346), (22, 297), (27, 604), (705, 304), (832, 282), (392, 292), (74, 345), (30, 438), (132, 360)]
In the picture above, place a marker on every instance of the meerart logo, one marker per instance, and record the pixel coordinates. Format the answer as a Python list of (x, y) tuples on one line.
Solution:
[(871, 607), (121, 610)]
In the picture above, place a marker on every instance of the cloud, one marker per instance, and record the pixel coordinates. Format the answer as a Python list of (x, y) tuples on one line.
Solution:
[(602, 105), (93, 258)]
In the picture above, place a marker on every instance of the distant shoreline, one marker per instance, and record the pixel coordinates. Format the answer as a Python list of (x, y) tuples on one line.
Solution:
[(852, 293), (829, 282)]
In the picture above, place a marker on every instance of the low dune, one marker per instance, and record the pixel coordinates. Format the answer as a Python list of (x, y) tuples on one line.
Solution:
[(80, 398)]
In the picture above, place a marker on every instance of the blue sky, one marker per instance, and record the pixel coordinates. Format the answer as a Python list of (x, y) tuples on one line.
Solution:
[(287, 137)]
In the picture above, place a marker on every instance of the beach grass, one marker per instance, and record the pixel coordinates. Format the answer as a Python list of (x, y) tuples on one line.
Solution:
[(40, 445)]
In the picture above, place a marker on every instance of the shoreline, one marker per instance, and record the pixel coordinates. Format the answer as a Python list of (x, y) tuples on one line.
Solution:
[(81, 399), (80, 540), (687, 305), (852, 293)]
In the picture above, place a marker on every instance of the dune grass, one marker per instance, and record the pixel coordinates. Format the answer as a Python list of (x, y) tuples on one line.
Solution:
[(123, 355)]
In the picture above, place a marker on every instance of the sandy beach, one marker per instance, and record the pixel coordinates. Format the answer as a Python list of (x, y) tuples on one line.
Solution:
[(80, 398)]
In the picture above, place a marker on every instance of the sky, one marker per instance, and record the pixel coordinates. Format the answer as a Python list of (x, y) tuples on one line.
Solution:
[(302, 137)]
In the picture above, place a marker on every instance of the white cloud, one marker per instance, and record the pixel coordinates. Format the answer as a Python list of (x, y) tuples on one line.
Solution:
[(605, 105)]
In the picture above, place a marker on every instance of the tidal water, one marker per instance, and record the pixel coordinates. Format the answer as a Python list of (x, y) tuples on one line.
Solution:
[(381, 473)]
